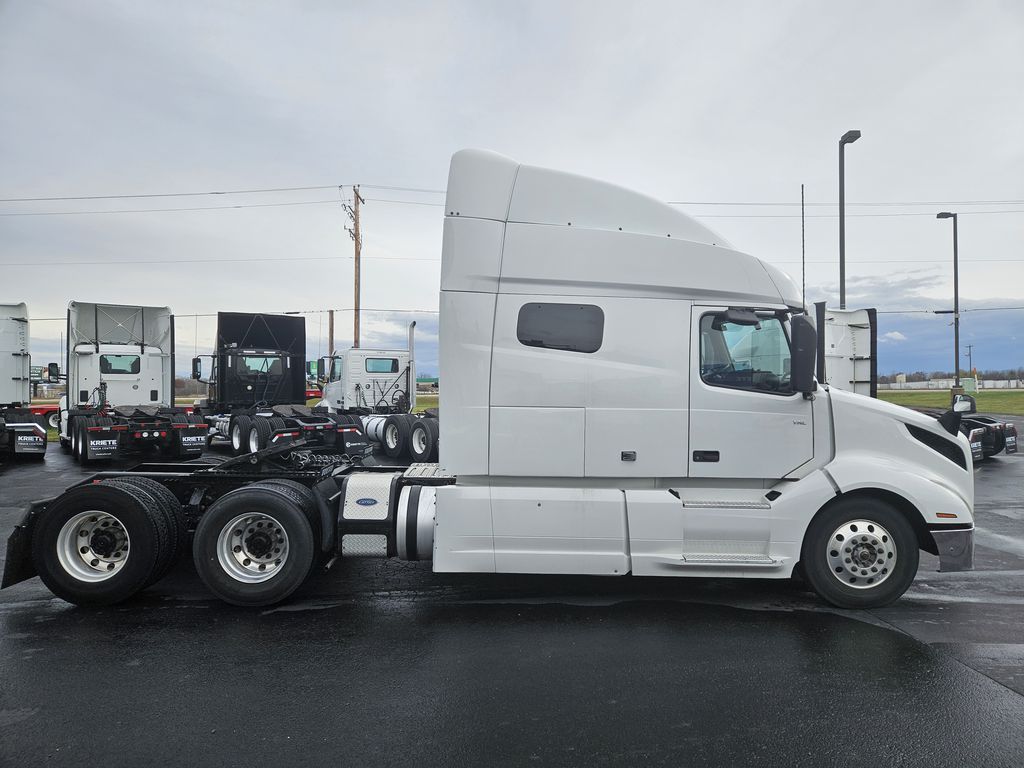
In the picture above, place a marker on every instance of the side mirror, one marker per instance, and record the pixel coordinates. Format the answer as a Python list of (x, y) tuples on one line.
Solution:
[(805, 347), (52, 373), (964, 404), (321, 368), (736, 317), (197, 368)]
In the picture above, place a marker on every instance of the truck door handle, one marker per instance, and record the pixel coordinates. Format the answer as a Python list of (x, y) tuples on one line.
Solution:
[(705, 455)]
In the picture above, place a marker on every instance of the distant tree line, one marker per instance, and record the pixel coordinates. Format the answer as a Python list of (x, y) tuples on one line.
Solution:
[(1003, 375)]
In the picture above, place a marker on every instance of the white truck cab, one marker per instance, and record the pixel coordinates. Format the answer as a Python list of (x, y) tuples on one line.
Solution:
[(380, 380)]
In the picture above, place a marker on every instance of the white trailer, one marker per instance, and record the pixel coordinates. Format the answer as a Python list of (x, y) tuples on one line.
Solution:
[(22, 433), (624, 393), (120, 385)]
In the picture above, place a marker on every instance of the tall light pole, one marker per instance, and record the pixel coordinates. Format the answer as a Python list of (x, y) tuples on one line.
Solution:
[(847, 138), (956, 298)]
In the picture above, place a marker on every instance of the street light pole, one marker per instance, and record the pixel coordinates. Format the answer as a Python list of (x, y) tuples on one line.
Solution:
[(956, 296), (847, 138)]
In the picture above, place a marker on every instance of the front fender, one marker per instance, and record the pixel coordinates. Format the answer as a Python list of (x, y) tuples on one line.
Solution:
[(930, 493)]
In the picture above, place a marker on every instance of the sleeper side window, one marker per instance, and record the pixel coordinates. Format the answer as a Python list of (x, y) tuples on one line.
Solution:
[(745, 356), (568, 327)]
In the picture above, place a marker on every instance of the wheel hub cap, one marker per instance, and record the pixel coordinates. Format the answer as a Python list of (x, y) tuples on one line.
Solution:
[(861, 554), (252, 547), (92, 546)]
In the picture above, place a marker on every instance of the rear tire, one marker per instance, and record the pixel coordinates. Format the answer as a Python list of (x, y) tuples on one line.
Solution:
[(421, 441), (167, 504), (240, 532), (435, 429), (396, 435), (259, 434), (119, 558), (53, 420), (860, 552), (240, 427)]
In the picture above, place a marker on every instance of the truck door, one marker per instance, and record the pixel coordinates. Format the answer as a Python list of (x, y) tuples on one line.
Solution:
[(745, 419)]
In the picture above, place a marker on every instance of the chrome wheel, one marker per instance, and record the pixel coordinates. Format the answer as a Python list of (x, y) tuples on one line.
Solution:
[(92, 546), (861, 554), (391, 436), (236, 437), (254, 440), (252, 548)]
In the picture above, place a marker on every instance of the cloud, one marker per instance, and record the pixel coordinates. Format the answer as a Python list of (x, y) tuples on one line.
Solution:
[(892, 336)]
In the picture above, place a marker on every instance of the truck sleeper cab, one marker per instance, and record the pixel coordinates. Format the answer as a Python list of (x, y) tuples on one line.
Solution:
[(624, 393), (257, 387), (120, 385)]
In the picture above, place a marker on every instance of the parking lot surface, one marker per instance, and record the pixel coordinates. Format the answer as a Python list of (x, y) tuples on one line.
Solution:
[(383, 662)]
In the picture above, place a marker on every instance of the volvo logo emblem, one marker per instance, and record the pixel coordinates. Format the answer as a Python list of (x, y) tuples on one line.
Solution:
[(366, 502)]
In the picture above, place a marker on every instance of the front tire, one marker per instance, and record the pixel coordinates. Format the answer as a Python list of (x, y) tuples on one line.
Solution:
[(860, 552)]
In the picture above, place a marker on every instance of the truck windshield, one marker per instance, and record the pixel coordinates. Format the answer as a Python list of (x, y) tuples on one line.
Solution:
[(251, 365), (120, 364), (753, 357)]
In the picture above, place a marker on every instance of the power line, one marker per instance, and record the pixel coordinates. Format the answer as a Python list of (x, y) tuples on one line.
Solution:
[(208, 261), (167, 194), (834, 215), (945, 311), (174, 210), (423, 190), (908, 203)]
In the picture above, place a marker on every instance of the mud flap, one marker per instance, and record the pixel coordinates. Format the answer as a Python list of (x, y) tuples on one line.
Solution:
[(191, 442), (18, 565), (28, 443), (100, 445), (1011, 439), (977, 451)]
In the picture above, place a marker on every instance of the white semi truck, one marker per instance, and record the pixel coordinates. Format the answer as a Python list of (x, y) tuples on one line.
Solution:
[(379, 386), (22, 433), (624, 393), (120, 390)]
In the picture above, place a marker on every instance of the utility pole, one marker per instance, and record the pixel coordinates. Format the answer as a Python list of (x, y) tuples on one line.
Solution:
[(330, 333), (956, 294), (970, 359), (357, 239)]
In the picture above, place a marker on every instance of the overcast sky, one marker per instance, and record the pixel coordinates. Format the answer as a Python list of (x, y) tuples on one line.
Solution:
[(698, 102)]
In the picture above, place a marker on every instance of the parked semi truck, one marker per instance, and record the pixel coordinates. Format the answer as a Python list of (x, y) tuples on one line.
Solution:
[(120, 385), (848, 360), (650, 415), (22, 433), (379, 387), (256, 395)]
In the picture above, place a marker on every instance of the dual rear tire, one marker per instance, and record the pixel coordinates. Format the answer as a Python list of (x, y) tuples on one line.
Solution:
[(257, 544), (100, 544)]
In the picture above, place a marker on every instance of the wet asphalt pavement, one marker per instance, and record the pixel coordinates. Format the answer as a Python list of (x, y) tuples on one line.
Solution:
[(383, 662)]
